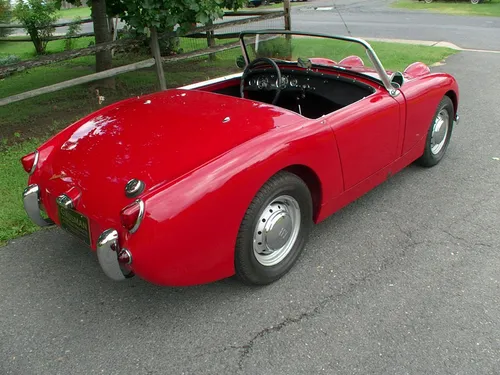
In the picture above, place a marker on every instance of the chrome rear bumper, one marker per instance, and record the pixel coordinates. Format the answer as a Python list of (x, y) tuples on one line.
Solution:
[(31, 201), (108, 247), (108, 252)]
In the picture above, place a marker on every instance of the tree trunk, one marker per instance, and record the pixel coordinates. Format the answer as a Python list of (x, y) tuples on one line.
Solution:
[(103, 59), (36, 42)]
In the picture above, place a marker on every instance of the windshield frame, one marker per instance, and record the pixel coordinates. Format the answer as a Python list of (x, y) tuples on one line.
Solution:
[(370, 52)]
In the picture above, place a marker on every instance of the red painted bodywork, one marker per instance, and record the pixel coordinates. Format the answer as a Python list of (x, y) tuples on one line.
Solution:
[(204, 156), (352, 61), (416, 69)]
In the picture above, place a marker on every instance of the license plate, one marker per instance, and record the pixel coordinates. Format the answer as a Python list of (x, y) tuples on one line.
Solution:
[(75, 223)]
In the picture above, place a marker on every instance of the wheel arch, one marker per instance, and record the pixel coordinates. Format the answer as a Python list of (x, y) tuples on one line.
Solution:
[(313, 182), (454, 98)]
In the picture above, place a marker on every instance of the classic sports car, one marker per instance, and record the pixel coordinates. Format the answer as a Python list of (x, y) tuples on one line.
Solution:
[(227, 176)]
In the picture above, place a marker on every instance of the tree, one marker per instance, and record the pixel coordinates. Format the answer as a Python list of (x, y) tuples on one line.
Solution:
[(143, 15), (37, 16), (165, 15), (103, 34), (104, 59), (5, 15)]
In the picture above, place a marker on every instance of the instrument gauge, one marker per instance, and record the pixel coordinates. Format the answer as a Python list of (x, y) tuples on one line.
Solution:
[(262, 82), (284, 82)]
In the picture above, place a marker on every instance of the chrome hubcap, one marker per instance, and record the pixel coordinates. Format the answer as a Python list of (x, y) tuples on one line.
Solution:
[(439, 131), (276, 230)]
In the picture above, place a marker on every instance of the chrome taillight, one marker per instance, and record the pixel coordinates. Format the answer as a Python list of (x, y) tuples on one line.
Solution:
[(131, 216), (30, 162)]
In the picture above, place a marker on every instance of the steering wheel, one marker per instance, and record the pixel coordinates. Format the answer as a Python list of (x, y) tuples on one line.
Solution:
[(249, 70)]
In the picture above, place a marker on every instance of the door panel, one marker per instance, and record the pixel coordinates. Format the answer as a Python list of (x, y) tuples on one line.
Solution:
[(368, 136)]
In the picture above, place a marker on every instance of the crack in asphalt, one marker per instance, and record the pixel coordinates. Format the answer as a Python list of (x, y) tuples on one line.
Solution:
[(245, 350), (411, 242), (467, 242)]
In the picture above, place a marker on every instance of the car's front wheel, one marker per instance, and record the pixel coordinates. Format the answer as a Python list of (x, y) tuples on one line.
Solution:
[(439, 134), (274, 230)]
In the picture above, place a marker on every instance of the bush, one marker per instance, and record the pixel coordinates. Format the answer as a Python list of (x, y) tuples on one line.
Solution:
[(10, 59), (168, 45), (73, 30), (5, 16), (276, 48), (37, 16)]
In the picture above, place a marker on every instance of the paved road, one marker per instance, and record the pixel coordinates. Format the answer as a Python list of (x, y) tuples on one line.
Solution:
[(403, 281), (373, 18)]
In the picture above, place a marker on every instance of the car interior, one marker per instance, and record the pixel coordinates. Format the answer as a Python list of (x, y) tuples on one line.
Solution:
[(305, 91)]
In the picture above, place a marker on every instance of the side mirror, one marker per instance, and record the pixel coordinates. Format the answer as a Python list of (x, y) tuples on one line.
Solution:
[(397, 80), (240, 62), (304, 63)]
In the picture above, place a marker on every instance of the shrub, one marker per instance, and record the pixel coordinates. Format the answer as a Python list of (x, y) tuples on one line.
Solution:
[(276, 48), (73, 30), (10, 59), (37, 16)]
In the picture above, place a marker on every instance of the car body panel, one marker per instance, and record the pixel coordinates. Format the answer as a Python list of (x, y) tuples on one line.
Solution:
[(100, 154), (201, 213), (365, 147)]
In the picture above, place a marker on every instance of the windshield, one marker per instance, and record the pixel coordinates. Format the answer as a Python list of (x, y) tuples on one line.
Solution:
[(313, 49)]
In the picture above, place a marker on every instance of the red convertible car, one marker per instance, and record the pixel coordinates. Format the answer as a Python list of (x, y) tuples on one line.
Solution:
[(227, 176)]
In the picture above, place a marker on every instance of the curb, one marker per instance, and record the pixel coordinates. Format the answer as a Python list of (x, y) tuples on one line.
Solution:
[(428, 43)]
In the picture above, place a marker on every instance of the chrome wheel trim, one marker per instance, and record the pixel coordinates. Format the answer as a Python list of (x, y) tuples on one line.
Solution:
[(440, 131), (276, 231)]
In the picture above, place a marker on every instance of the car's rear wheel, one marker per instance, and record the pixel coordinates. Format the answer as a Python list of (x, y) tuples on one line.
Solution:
[(439, 134), (274, 230)]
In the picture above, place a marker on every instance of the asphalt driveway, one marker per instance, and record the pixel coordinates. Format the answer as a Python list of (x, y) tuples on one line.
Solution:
[(405, 280)]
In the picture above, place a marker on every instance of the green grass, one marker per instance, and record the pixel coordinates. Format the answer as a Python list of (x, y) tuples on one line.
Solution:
[(82, 12), (13, 180), (462, 7), (26, 50), (25, 124), (394, 56)]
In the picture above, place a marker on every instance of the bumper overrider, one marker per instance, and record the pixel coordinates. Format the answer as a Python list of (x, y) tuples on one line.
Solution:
[(109, 253)]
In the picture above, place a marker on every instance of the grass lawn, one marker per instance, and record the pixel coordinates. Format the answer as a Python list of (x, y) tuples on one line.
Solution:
[(26, 50), (487, 8), (82, 12), (13, 219), (25, 124)]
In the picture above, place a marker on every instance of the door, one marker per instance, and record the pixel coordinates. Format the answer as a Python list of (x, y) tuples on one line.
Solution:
[(368, 135)]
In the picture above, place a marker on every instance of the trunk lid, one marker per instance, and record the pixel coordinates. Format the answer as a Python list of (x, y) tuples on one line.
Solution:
[(154, 138)]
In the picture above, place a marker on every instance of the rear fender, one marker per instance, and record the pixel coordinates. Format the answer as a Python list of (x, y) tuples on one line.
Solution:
[(190, 227)]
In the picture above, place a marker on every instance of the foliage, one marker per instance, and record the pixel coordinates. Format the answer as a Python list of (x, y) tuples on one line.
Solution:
[(166, 14), (5, 16), (9, 59), (37, 16), (73, 30), (169, 44), (276, 48)]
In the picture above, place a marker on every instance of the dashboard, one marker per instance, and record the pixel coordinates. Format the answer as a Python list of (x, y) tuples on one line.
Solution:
[(335, 88), (266, 82)]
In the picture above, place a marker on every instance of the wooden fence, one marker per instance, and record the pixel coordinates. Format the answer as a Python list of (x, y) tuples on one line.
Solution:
[(206, 31)]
